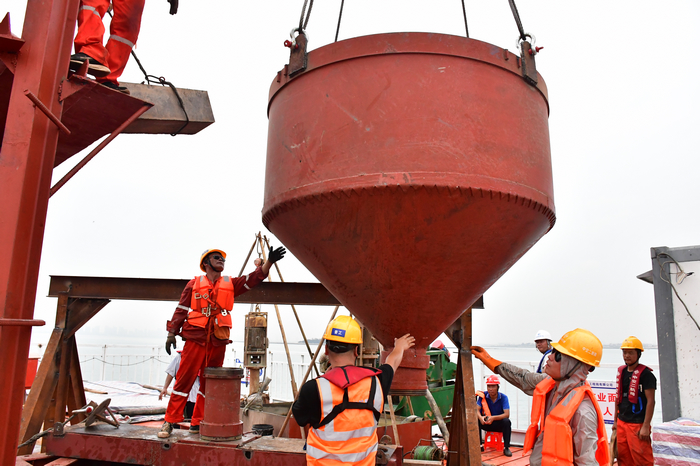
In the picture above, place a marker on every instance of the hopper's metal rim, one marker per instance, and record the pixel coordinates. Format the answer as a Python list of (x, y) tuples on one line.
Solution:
[(408, 43)]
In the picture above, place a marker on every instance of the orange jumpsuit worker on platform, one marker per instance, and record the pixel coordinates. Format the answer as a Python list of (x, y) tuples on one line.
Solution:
[(107, 63), (203, 319)]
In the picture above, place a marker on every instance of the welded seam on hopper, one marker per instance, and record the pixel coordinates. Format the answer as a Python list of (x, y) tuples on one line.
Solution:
[(287, 206)]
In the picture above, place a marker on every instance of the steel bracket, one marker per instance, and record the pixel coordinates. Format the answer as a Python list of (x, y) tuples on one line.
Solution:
[(297, 56), (527, 59)]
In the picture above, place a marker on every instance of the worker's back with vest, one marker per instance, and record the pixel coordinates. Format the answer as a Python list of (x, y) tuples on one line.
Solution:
[(347, 431)]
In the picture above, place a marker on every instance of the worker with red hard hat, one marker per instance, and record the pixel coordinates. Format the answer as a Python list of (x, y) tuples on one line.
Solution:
[(203, 319), (343, 406), (107, 63), (634, 407), (566, 424), (494, 416)]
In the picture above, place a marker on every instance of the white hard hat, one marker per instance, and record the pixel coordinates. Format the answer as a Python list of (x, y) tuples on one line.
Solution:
[(543, 335)]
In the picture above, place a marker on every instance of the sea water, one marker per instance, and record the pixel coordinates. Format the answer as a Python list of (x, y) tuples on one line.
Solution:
[(144, 360)]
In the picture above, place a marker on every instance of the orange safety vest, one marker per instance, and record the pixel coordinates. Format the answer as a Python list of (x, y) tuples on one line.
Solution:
[(484, 404), (558, 445), (347, 432), (208, 300)]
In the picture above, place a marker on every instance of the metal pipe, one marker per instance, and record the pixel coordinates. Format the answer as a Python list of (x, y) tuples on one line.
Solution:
[(306, 376), (99, 148), (21, 322), (40, 105)]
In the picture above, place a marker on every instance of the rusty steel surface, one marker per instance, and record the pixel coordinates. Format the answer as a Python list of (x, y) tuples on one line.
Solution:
[(84, 103), (422, 163), (139, 445), (26, 163), (223, 404), (166, 116), (157, 289)]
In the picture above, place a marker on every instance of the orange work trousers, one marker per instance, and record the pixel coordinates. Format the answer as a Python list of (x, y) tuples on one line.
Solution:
[(124, 31), (631, 450), (194, 358)]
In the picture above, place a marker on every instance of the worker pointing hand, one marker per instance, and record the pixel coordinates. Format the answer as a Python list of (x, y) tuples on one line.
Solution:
[(482, 355)]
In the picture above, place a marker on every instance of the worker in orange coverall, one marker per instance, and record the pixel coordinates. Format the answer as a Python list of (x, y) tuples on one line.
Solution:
[(107, 63), (203, 319)]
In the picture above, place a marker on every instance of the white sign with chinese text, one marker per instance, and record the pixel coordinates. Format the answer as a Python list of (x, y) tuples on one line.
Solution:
[(605, 393)]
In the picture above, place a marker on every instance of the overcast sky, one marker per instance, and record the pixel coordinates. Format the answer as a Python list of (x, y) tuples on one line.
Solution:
[(624, 98)]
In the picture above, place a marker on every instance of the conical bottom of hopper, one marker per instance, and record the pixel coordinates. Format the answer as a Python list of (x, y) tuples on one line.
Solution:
[(408, 172)]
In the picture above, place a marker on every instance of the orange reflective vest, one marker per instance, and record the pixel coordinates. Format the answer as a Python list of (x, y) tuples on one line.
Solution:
[(211, 300), (558, 444), (347, 432), (484, 404)]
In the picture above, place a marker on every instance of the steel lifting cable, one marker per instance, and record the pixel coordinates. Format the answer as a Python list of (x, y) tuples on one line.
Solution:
[(464, 12), (303, 23), (161, 80), (516, 16), (340, 15)]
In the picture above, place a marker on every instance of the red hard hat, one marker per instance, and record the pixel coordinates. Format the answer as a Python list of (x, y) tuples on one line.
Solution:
[(437, 344), (493, 380)]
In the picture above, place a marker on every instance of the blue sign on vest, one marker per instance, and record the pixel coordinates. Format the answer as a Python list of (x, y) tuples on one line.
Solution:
[(338, 332)]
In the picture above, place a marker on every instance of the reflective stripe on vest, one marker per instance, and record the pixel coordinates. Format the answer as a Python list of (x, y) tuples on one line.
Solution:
[(344, 457), (351, 436), (208, 300), (557, 444)]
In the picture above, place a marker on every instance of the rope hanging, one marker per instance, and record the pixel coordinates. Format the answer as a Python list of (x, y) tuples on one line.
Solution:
[(151, 79)]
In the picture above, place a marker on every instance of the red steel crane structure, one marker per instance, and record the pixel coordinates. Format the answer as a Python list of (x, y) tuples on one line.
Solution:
[(46, 116), (26, 163)]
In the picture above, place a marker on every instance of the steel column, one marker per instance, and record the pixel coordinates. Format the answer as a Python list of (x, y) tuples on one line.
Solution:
[(26, 163)]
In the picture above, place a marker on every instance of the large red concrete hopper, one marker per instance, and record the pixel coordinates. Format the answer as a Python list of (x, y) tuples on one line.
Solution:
[(408, 172)]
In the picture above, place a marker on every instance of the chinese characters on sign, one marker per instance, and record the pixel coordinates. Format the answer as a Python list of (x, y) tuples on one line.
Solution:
[(605, 393)]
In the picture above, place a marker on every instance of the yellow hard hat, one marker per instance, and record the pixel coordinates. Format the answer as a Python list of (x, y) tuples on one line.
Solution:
[(581, 345), (632, 342), (206, 253), (344, 329)]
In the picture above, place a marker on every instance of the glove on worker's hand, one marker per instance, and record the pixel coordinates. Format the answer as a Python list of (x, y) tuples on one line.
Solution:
[(173, 6), (277, 254), (482, 355), (170, 341)]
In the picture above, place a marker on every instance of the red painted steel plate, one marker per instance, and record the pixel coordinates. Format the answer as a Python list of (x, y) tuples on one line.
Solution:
[(408, 172)]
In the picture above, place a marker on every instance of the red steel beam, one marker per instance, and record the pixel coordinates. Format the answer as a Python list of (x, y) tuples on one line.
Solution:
[(26, 163)]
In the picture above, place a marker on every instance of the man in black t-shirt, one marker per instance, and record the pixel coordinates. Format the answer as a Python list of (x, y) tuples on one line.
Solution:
[(636, 389), (344, 404)]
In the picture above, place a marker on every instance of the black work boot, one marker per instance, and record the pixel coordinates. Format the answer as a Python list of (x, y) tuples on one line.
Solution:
[(116, 87), (95, 68), (506, 451)]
